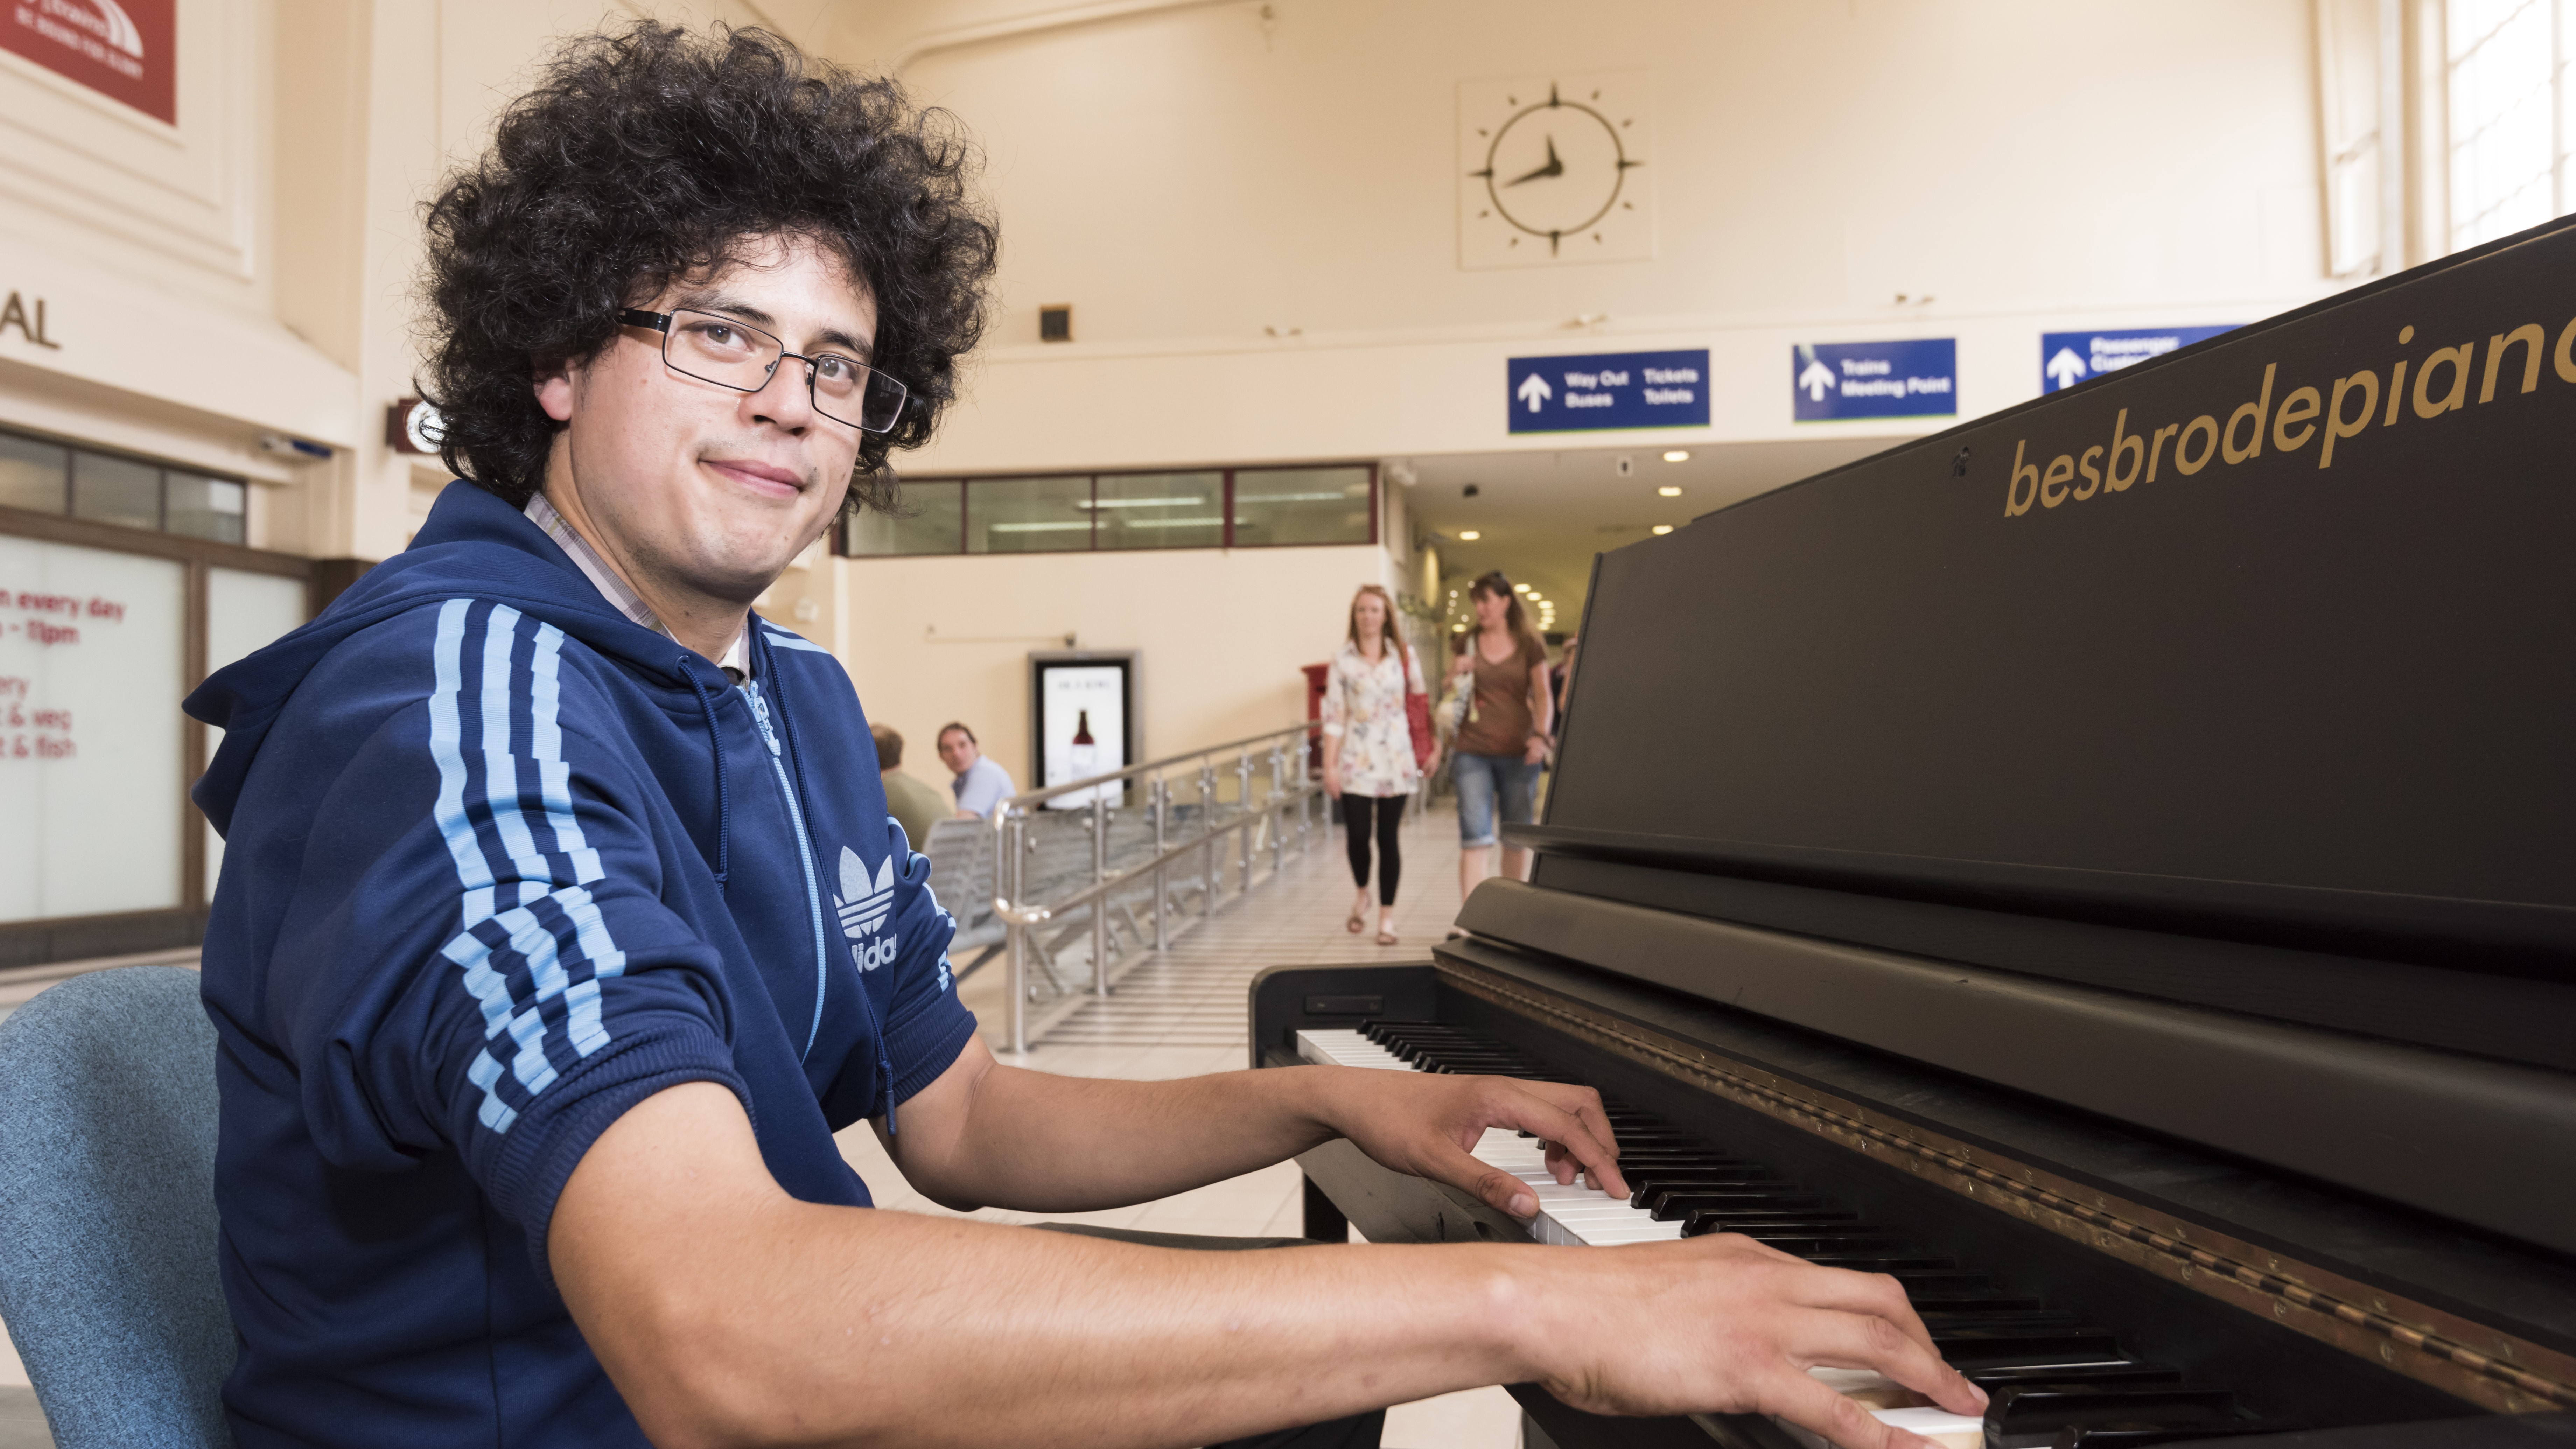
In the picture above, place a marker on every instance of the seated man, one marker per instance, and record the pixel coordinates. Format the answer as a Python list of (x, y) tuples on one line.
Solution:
[(914, 805), (556, 937), (980, 784)]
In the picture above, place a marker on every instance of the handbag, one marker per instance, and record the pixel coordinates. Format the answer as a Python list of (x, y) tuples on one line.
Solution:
[(1417, 718)]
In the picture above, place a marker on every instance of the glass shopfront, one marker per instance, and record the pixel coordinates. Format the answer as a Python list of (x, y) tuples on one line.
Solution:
[(122, 584)]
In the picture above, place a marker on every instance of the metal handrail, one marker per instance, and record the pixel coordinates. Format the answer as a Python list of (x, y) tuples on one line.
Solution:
[(1010, 822)]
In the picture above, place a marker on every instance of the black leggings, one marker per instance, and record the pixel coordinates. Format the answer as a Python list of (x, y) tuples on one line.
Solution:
[(1389, 810)]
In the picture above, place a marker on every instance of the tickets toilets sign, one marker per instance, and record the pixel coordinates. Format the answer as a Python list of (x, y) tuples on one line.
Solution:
[(2067, 358), (1604, 390), (1917, 378)]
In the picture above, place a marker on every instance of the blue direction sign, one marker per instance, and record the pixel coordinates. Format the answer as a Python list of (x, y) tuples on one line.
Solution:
[(1913, 379), (1608, 390), (2067, 358)]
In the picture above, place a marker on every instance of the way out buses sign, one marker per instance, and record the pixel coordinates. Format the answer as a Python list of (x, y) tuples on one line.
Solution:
[(122, 49), (1607, 390)]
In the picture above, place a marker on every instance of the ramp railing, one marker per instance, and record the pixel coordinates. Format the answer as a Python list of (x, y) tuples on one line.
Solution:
[(1078, 861)]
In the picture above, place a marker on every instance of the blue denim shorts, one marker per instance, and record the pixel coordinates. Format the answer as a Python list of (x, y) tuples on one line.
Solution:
[(1483, 780)]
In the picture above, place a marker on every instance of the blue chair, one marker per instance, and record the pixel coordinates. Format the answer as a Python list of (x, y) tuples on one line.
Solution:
[(108, 1275)]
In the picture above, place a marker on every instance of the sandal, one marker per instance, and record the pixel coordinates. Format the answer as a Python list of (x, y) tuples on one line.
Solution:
[(1385, 936), (1358, 921)]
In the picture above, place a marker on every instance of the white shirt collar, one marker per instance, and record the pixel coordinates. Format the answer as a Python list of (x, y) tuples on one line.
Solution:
[(737, 656)]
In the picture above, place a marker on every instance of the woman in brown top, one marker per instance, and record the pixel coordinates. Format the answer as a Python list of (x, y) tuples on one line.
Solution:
[(1504, 735)]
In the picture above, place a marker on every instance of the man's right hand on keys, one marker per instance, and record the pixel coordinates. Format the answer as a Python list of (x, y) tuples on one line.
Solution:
[(1724, 1324)]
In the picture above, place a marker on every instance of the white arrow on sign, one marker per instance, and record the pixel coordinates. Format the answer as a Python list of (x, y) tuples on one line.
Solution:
[(1534, 390), (1818, 379), (2067, 368)]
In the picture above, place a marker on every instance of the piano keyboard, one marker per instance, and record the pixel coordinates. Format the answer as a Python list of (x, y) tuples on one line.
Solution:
[(2053, 1381)]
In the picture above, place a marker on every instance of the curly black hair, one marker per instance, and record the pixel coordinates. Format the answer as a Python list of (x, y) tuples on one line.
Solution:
[(651, 154)]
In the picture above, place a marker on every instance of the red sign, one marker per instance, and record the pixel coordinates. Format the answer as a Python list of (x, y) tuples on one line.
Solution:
[(124, 49)]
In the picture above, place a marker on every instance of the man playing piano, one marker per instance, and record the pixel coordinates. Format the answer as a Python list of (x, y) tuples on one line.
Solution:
[(536, 1023)]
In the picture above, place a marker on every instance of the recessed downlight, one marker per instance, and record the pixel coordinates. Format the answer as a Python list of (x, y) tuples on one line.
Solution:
[(1468, 535), (1677, 455), (1669, 492), (1663, 528)]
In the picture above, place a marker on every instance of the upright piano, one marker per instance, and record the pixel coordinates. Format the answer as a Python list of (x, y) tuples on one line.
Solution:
[(2111, 865)]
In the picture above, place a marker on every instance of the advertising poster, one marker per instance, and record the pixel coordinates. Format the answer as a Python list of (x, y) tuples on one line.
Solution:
[(1082, 726)]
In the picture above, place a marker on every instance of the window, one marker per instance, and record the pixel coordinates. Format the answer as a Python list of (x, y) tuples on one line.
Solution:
[(32, 474), (1301, 505), (933, 521), (1081, 512), (2507, 66), (1159, 510), (1028, 515), (114, 490), (45, 477)]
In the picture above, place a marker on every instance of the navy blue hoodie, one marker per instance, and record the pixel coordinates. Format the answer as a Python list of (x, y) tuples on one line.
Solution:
[(501, 863)]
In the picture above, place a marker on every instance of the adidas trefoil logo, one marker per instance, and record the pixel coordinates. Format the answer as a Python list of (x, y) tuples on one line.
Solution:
[(863, 906)]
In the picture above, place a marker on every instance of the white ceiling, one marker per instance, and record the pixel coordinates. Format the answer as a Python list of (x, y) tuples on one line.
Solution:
[(1541, 517)]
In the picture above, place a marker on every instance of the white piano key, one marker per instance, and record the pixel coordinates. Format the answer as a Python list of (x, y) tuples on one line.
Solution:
[(1576, 1215)]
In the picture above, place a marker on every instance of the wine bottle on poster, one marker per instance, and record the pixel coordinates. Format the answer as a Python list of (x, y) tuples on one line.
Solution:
[(1083, 760)]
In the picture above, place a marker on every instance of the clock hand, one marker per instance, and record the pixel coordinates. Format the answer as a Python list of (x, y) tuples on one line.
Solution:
[(1554, 167)]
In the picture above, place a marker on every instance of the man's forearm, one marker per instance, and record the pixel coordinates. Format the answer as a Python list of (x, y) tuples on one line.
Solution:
[(1041, 1143), (771, 1319)]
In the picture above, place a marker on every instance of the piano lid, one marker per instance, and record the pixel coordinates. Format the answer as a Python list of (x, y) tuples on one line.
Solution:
[(2271, 639), (2234, 692)]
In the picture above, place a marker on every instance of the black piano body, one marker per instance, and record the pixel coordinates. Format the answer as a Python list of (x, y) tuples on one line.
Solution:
[(2126, 845)]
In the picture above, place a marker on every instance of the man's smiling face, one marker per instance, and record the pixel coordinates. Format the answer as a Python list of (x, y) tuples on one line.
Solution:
[(701, 495)]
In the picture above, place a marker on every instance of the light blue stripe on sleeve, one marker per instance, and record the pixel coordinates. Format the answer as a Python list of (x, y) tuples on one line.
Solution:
[(500, 767), (494, 1113), (554, 777), (486, 984), (447, 748), (530, 1066), (536, 945)]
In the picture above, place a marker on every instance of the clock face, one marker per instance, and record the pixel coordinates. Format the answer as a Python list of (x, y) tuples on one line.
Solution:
[(423, 428), (1553, 171)]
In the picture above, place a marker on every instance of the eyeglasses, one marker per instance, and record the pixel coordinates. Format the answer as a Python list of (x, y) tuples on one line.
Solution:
[(730, 353)]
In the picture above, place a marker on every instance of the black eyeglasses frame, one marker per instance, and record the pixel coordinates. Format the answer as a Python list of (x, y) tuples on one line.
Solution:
[(661, 322)]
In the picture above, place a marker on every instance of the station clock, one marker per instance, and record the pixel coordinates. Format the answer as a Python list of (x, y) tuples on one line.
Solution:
[(1553, 170)]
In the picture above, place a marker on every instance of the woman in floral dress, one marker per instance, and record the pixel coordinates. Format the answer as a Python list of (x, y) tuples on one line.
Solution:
[(1368, 747)]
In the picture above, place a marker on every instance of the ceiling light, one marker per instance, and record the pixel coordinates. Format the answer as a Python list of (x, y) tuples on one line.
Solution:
[(1669, 492), (1663, 528), (1677, 455), (1467, 535), (1520, 588)]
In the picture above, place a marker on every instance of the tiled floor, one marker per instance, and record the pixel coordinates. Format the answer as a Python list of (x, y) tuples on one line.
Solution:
[(1183, 1016)]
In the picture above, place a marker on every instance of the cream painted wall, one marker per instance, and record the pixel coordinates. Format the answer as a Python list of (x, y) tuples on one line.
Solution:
[(933, 640), (1189, 176)]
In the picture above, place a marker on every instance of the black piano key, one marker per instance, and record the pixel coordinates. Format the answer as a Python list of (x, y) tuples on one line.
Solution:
[(1738, 1195), (2032, 1416), (1945, 1280), (1898, 1264), (1816, 1242), (1644, 1186), (2050, 1320), (2147, 1435), (1750, 1223), (1996, 1380), (1968, 1348), (1937, 1301)]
